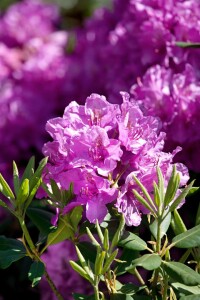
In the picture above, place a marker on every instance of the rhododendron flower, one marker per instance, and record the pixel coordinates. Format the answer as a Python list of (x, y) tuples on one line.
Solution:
[(100, 155), (175, 98)]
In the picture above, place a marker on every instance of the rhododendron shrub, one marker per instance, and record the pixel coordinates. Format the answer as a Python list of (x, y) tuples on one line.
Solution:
[(32, 73), (99, 147)]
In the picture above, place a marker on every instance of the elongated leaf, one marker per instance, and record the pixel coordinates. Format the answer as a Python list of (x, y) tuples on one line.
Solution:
[(109, 261), (125, 260), (11, 250), (88, 251), (23, 192), (164, 226), (32, 193), (181, 197), (143, 201), (38, 172), (181, 273), (16, 180), (79, 270), (185, 289), (160, 184), (177, 223), (29, 170), (191, 297), (131, 241), (64, 231), (5, 188), (187, 44), (197, 221), (36, 272), (76, 216), (193, 190), (188, 239), (41, 219), (147, 261), (171, 187), (129, 289)]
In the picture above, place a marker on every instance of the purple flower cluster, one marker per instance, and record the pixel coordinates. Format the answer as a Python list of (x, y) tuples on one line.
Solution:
[(33, 67), (118, 46), (99, 147), (175, 98), (56, 260)]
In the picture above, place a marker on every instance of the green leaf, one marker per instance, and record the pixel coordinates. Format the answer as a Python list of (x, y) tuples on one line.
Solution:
[(83, 297), (191, 297), (64, 231), (177, 223), (88, 251), (5, 188), (193, 190), (32, 193), (29, 170), (181, 197), (35, 273), (76, 216), (129, 289), (188, 239), (147, 261), (164, 226), (109, 261), (11, 250), (23, 192), (41, 218), (143, 201), (171, 187), (160, 184), (187, 44), (16, 180), (38, 172), (185, 289), (131, 241), (197, 221), (79, 270), (181, 273), (125, 260)]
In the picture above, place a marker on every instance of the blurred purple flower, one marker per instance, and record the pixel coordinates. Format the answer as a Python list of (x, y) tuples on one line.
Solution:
[(57, 263)]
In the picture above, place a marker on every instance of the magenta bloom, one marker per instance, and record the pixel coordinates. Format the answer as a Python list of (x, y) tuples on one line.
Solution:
[(100, 154), (175, 98)]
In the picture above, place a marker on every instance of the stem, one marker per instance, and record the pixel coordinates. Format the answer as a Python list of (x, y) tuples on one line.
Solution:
[(140, 279), (53, 287), (164, 295), (96, 288), (34, 254), (158, 248)]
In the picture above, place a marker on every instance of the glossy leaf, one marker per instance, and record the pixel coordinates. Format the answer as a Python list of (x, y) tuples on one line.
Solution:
[(64, 231), (23, 192), (76, 216), (147, 261), (181, 197), (29, 170), (190, 297), (36, 272), (11, 250), (188, 239), (41, 219), (131, 241), (125, 260), (187, 44), (164, 226), (185, 289), (181, 273), (5, 188), (177, 223)]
